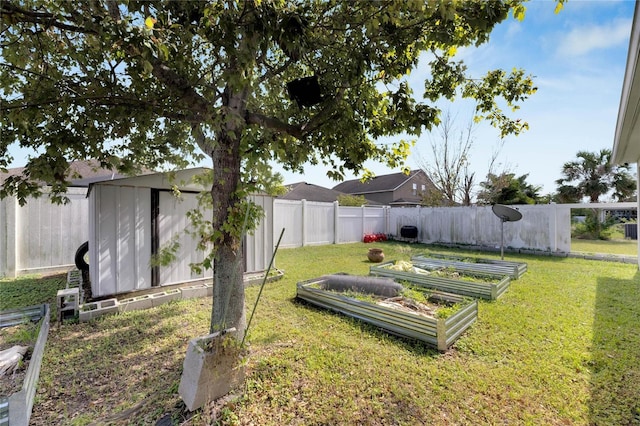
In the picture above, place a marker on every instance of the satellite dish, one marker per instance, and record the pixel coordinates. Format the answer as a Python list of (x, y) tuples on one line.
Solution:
[(506, 214)]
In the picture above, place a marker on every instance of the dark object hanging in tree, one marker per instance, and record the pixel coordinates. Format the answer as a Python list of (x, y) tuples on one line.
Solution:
[(305, 91)]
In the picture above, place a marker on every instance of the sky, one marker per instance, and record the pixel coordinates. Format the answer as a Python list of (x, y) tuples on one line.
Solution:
[(577, 59)]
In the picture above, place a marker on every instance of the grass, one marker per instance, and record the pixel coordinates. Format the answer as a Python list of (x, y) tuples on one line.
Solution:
[(617, 246), (560, 347)]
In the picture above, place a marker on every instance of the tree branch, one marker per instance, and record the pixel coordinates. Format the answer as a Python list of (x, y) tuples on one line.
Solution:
[(275, 124), (46, 19)]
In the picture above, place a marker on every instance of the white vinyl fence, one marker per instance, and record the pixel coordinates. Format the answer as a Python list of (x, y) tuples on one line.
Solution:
[(41, 236), (313, 223), (544, 227)]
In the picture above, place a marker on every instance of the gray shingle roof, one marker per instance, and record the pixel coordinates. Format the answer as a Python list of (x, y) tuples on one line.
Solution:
[(381, 183), (310, 192)]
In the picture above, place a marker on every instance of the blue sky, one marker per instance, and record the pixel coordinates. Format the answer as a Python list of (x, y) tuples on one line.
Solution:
[(577, 58)]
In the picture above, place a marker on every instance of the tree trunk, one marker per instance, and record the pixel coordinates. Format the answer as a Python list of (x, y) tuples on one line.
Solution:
[(228, 288)]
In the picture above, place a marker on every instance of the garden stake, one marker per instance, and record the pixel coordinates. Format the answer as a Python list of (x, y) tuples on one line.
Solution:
[(264, 280)]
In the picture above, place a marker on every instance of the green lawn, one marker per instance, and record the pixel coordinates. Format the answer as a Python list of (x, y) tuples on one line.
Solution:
[(618, 246), (561, 347)]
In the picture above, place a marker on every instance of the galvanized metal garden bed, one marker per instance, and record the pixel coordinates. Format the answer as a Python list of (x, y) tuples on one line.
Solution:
[(440, 333), (471, 264), (15, 410), (480, 289)]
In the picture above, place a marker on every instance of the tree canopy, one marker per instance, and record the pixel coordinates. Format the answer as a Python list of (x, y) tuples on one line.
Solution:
[(592, 175), (246, 83), (506, 188)]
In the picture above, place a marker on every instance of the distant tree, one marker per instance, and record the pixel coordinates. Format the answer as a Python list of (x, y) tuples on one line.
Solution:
[(593, 175), (506, 188), (433, 198), (349, 200), (448, 163)]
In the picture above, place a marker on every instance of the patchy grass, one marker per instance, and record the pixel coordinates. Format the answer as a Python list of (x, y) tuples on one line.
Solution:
[(30, 290), (560, 347)]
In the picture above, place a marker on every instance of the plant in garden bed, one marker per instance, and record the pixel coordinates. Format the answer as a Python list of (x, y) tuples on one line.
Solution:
[(411, 298)]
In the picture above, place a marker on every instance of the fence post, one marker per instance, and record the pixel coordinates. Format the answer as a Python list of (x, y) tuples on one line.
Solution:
[(304, 223), (8, 238), (336, 221), (363, 213)]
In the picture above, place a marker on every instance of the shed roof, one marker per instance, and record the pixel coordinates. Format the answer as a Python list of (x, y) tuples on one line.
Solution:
[(180, 179)]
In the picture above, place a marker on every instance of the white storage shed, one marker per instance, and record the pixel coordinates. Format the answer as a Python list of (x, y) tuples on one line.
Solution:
[(130, 219)]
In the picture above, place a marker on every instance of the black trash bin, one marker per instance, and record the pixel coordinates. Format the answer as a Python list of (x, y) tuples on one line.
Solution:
[(631, 231), (409, 231)]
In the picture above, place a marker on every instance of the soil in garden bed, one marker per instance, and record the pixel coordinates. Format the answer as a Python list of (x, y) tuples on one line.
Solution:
[(22, 335), (413, 300)]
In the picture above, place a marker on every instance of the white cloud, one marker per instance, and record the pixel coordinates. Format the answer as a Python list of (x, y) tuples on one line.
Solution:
[(583, 40)]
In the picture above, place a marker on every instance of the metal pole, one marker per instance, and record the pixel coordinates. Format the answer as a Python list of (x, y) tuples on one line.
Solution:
[(501, 239), (264, 280)]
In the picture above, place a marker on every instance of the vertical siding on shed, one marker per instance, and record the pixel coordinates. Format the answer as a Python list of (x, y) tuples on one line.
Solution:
[(173, 222), (120, 241)]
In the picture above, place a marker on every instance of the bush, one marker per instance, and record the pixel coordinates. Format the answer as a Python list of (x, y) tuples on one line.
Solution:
[(594, 229)]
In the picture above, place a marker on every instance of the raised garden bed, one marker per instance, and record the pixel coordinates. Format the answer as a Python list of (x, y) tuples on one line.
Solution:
[(394, 317), (471, 264), (484, 286), (15, 408)]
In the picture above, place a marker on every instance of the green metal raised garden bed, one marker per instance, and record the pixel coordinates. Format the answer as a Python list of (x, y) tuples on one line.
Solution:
[(481, 288), (440, 333), (476, 265)]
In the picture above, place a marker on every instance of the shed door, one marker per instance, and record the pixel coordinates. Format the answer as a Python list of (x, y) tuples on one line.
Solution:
[(172, 226)]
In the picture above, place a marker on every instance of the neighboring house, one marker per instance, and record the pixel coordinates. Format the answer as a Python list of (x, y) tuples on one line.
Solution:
[(310, 192), (80, 174), (396, 189)]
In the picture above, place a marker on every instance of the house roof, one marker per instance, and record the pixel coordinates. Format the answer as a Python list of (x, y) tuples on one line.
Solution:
[(310, 192), (80, 173), (626, 146), (382, 183)]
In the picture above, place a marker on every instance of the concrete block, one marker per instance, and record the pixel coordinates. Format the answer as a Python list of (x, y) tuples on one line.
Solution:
[(211, 369), (158, 299), (194, 291), (135, 303), (93, 310)]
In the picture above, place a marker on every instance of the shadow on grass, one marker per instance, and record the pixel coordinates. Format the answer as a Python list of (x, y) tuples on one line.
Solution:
[(615, 362), (119, 368)]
